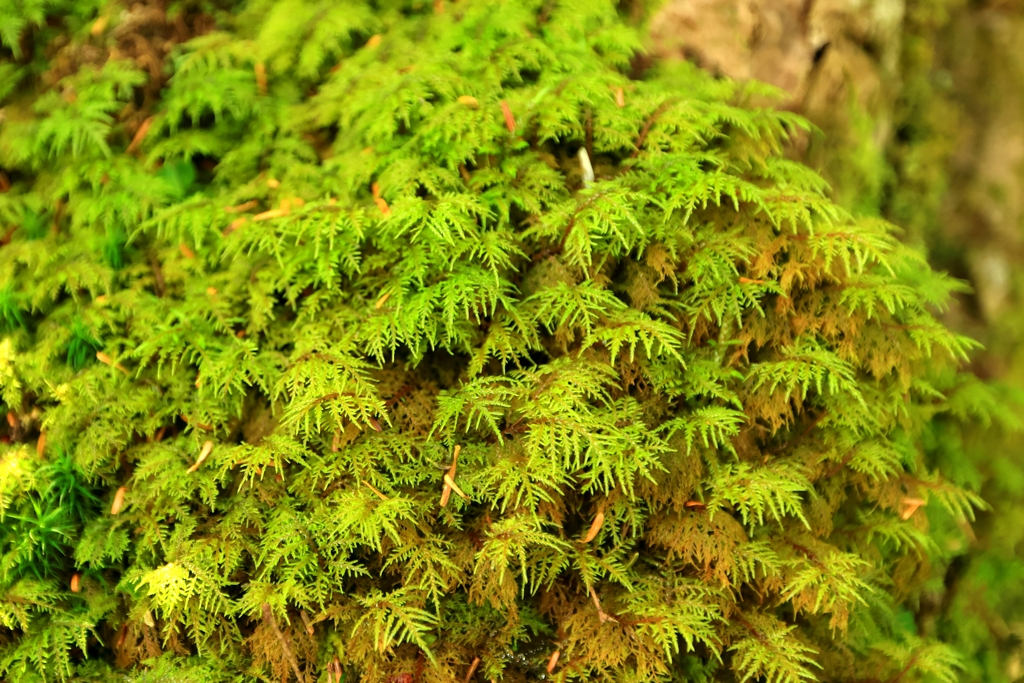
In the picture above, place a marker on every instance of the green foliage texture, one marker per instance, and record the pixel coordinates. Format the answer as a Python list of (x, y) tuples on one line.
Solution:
[(954, 82), (272, 270)]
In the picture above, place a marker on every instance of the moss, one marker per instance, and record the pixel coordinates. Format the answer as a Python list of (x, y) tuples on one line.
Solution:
[(457, 339)]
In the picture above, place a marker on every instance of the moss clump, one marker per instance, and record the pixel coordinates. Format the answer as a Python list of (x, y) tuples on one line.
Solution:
[(479, 352)]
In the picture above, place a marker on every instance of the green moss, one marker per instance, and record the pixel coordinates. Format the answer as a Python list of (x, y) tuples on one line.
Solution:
[(689, 396), (11, 309), (81, 346)]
